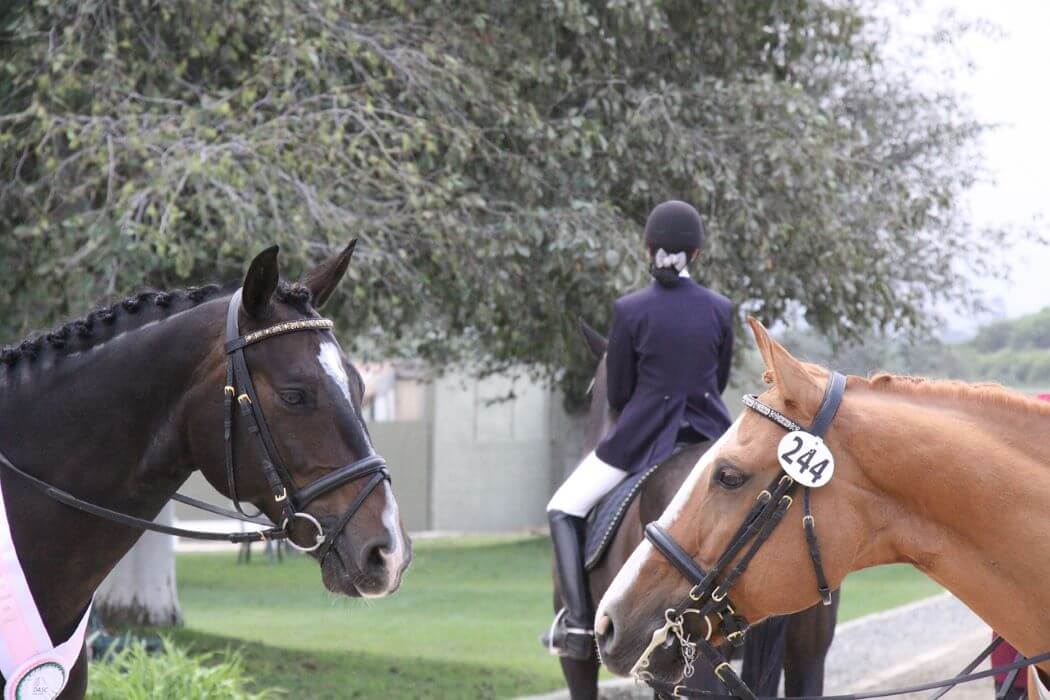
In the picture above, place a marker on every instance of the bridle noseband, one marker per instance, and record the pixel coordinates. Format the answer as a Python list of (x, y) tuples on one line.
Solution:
[(291, 499), (709, 595)]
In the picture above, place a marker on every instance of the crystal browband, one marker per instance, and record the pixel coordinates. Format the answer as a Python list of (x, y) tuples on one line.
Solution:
[(752, 402), (321, 324)]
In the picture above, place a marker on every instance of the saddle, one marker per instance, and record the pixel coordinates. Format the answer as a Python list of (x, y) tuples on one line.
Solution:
[(604, 519)]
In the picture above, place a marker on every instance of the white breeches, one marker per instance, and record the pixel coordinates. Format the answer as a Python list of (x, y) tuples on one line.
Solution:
[(591, 480)]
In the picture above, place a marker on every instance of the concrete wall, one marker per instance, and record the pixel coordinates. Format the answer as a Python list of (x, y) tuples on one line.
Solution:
[(491, 454), (198, 487), (567, 434), (406, 446)]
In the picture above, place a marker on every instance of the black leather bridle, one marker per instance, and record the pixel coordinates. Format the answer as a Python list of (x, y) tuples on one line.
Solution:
[(291, 499), (709, 596)]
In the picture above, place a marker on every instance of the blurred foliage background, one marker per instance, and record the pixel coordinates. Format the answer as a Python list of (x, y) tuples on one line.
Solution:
[(496, 158), (1015, 352)]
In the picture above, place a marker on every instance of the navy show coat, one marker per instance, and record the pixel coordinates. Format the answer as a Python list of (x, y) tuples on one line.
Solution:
[(669, 354)]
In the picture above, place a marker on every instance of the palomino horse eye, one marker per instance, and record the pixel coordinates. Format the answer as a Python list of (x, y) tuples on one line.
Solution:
[(729, 478)]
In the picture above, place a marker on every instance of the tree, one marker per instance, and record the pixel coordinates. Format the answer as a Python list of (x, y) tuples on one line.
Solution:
[(497, 158), (140, 590)]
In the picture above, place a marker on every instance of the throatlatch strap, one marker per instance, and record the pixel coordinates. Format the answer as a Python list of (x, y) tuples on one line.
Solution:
[(809, 525)]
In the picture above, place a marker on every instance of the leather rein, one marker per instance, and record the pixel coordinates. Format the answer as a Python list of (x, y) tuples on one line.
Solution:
[(291, 499), (709, 596)]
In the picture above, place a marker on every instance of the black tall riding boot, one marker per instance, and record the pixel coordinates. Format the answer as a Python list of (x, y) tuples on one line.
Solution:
[(572, 634)]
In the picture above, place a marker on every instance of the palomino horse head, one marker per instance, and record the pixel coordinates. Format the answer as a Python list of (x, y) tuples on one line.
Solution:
[(310, 396), (711, 505)]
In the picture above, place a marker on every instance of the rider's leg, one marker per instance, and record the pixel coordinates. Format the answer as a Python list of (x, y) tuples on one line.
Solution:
[(567, 511)]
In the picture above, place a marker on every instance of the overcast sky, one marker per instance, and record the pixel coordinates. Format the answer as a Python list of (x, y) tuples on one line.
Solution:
[(1009, 86)]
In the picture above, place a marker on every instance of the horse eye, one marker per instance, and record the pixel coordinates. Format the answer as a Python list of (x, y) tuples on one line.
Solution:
[(730, 478), (292, 397)]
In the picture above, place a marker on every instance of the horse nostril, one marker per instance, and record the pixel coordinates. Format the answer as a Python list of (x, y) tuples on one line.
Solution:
[(376, 559), (374, 554), (604, 632)]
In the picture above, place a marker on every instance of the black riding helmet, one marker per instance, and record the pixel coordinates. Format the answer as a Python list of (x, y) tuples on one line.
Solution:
[(674, 226), (674, 231)]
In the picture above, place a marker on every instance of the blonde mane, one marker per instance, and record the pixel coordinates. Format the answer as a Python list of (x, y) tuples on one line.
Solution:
[(984, 393)]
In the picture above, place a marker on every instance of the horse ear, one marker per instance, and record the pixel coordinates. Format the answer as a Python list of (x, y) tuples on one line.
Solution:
[(596, 342), (763, 341), (260, 282), (795, 383), (323, 279)]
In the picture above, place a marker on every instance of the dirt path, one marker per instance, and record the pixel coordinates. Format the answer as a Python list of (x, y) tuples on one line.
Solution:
[(923, 641)]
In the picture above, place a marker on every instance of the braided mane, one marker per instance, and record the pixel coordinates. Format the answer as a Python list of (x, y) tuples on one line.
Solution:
[(94, 325)]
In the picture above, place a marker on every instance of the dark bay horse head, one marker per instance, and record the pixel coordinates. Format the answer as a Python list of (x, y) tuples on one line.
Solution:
[(311, 398)]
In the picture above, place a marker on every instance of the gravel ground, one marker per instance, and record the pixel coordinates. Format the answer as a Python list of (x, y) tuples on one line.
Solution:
[(923, 641)]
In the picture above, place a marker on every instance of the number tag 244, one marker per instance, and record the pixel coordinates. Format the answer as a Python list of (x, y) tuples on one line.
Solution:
[(806, 458)]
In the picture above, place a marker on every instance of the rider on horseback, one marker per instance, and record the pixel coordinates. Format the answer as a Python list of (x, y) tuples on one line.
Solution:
[(668, 361)]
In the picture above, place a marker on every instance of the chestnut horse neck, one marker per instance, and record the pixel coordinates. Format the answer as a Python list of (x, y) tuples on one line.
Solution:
[(958, 484)]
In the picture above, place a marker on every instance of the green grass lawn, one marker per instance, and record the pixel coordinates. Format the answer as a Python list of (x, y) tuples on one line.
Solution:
[(464, 624)]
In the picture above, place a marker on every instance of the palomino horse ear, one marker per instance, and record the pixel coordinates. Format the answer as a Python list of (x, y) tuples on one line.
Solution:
[(763, 341), (323, 279), (795, 384), (260, 282), (596, 342)]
